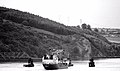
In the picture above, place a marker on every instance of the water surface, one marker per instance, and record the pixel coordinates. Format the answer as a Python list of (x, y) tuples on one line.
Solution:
[(100, 65)]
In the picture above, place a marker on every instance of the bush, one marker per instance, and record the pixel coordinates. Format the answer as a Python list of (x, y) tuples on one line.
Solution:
[(96, 30), (1, 20), (84, 26)]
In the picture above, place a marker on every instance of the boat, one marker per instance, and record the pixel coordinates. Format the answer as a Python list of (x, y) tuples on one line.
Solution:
[(91, 63), (55, 61), (30, 63)]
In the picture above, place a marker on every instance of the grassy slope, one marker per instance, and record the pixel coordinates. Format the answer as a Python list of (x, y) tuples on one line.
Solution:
[(38, 35)]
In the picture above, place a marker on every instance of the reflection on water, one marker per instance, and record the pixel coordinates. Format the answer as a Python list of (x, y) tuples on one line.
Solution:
[(100, 65)]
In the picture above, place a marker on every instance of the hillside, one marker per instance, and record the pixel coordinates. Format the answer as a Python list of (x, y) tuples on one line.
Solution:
[(24, 35)]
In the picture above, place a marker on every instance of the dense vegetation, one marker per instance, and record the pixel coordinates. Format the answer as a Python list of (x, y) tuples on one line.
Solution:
[(27, 35), (34, 21)]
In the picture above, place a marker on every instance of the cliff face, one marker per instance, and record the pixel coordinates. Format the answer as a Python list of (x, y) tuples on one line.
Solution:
[(27, 35), (79, 47)]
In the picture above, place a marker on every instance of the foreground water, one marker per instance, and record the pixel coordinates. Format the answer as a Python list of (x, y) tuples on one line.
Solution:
[(100, 65)]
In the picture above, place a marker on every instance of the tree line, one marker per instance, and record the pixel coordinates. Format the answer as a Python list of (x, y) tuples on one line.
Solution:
[(32, 20)]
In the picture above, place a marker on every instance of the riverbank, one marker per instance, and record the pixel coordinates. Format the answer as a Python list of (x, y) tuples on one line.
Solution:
[(20, 60), (40, 60)]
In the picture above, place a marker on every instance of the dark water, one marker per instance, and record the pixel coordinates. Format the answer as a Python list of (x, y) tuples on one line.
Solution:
[(100, 65)]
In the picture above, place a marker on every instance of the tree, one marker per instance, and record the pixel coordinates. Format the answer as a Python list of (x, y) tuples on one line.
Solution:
[(1, 20), (25, 23), (102, 31), (84, 26), (88, 27), (96, 30), (78, 26)]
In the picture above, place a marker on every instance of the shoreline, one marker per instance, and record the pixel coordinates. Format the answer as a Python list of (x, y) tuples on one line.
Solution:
[(40, 60), (20, 60)]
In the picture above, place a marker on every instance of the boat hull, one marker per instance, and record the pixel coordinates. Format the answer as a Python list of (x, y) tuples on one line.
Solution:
[(29, 65), (55, 66)]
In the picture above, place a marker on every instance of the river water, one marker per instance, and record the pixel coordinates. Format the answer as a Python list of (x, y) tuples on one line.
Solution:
[(100, 65)]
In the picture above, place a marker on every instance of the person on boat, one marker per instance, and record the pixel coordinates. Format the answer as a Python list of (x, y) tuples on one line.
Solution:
[(30, 62), (70, 63), (51, 56), (46, 56), (91, 63)]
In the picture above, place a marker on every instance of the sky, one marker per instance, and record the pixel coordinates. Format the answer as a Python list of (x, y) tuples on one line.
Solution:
[(97, 13)]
